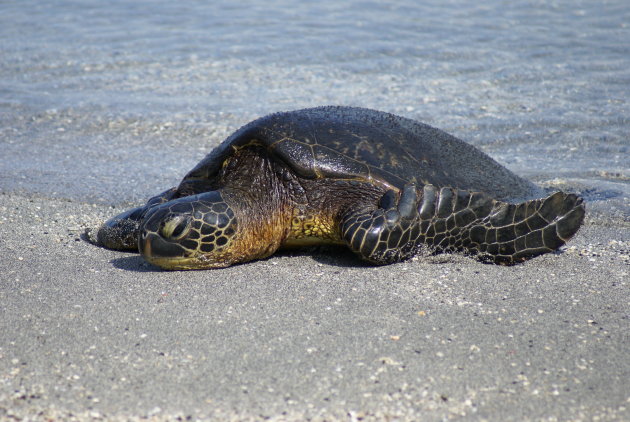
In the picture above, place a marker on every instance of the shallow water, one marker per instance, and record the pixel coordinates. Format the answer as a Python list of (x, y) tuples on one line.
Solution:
[(115, 101)]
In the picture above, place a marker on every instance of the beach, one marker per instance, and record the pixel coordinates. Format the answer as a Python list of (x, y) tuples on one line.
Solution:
[(103, 107)]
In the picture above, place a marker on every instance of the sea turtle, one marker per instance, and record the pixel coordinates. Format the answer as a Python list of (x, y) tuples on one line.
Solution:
[(386, 186)]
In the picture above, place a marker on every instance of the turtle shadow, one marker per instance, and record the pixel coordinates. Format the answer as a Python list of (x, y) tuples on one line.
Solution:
[(327, 255), (134, 263), (336, 256)]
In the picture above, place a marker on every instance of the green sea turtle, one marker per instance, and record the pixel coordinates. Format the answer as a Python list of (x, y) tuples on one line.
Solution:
[(387, 187)]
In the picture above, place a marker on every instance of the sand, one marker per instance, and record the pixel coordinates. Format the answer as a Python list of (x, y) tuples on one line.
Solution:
[(90, 334)]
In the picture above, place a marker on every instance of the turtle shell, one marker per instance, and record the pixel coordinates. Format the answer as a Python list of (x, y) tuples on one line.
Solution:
[(372, 146)]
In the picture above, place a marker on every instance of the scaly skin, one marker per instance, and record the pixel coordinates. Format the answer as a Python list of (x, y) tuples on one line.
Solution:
[(217, 229), (451, 220)]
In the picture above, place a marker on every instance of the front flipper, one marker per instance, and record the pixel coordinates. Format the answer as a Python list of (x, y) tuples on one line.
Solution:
[(512, 233), (453, 220), (121, 232), (387, 234)]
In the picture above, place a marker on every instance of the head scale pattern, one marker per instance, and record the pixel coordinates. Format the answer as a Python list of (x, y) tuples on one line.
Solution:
[(190, 232)]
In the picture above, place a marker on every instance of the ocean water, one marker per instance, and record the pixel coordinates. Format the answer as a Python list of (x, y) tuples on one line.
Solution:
[(114, 101)]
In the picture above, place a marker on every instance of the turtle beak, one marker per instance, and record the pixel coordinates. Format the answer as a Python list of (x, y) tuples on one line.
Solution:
[(144, 246), (152, 245)]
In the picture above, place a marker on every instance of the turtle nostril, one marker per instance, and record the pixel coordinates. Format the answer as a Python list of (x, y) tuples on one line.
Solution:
[(175, 228)]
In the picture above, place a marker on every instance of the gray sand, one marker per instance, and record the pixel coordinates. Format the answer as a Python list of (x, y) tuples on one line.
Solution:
[(92, 333), (105, 104)]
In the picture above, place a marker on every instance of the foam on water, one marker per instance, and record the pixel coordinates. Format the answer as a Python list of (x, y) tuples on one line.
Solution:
[(115, 100)]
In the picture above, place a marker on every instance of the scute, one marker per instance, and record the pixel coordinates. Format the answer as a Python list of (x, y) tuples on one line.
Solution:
[(363, 144), (299, 154), (330, 163)]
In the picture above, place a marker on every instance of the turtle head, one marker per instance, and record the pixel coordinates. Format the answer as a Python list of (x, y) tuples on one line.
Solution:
[(193, 232)]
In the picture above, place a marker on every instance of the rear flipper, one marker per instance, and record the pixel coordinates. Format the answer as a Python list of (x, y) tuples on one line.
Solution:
[(452, 220)]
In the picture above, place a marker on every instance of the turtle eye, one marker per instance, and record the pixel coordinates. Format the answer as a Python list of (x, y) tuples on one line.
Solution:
[(175, 228)]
